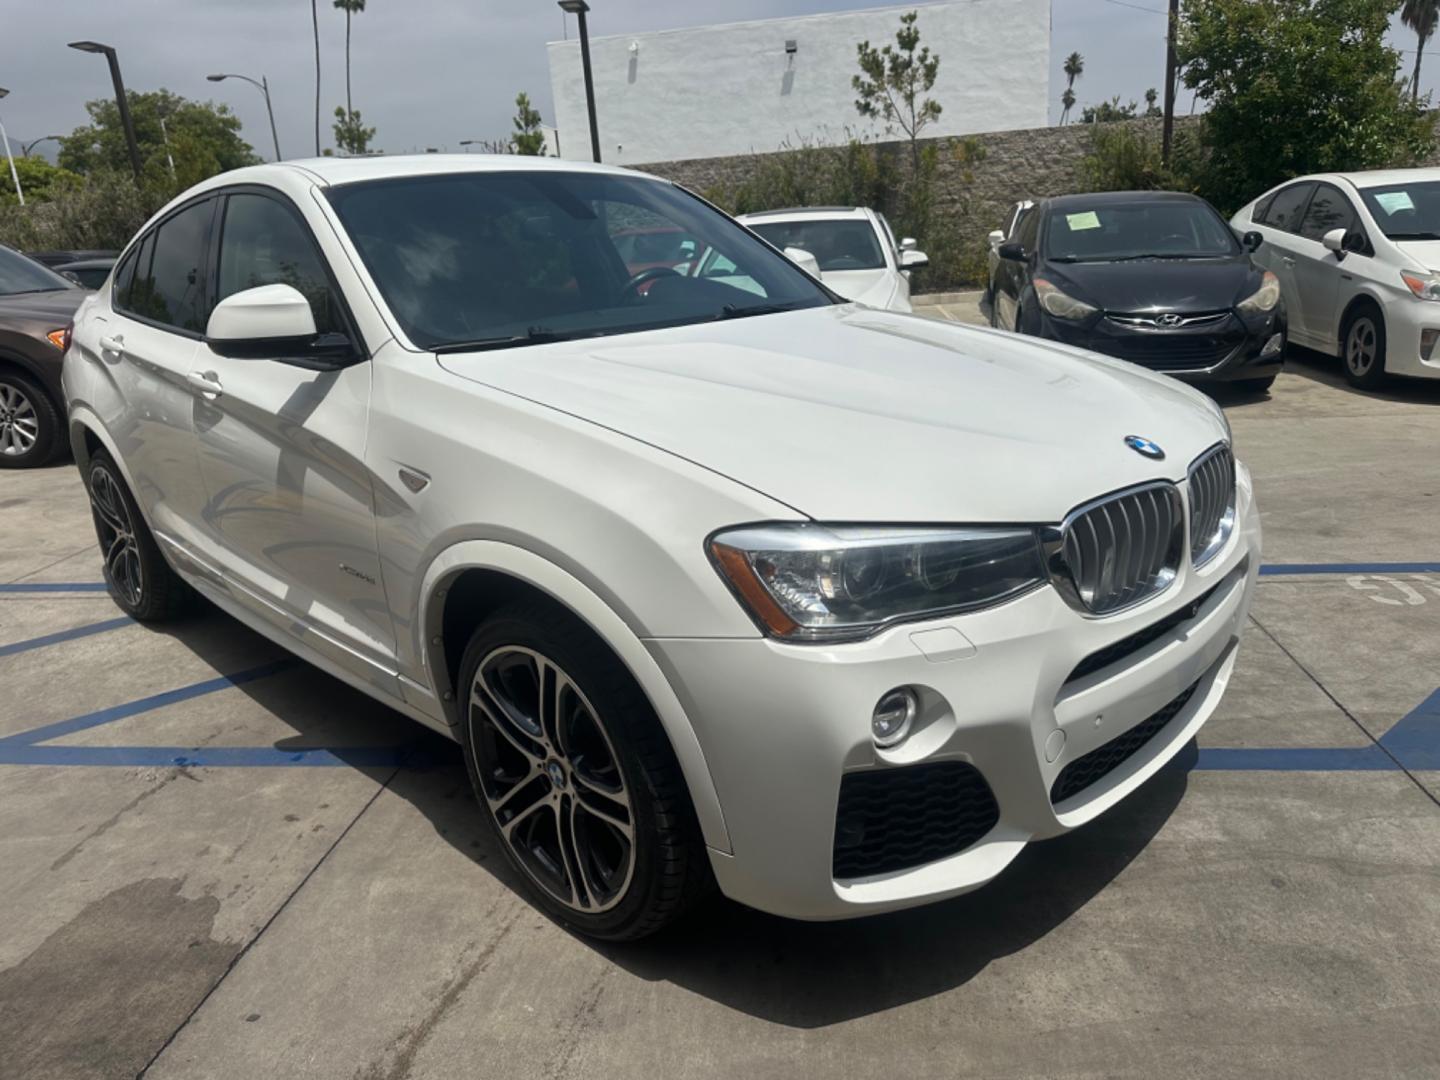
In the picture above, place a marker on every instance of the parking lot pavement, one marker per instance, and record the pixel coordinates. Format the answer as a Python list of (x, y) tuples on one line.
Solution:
[(218, 863)]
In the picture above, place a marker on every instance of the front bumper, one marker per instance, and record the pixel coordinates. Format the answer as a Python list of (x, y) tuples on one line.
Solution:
[(1235, 349), (780, 725)]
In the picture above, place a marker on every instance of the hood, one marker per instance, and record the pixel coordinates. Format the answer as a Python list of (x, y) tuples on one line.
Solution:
[(1425, 252), (49, 307), (848, 414), (1181, 285), (872, 287)]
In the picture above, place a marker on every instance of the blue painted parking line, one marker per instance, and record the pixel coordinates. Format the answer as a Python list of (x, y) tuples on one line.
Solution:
[(53, 586), (88, 630), (1286, 569)]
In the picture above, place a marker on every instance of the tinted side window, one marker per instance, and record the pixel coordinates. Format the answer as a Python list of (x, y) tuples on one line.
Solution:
[(1329, 209), (171, 288), (132, 290), (1029, 230), (123, 276), (1286, 207), (262, 243)]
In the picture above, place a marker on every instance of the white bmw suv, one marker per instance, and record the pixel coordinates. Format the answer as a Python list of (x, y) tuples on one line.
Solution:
[(714, 583)]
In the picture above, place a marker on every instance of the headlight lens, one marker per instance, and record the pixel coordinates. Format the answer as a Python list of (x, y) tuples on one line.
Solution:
[(805, 582), (1059, 304), (1262, 299), (1424, 286)]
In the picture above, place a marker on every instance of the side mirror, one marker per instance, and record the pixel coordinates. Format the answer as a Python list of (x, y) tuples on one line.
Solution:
[(1252, 240), (803, 259), (70, 275), (996, 238), (1012, 250), (908, 244), (910, 259), (1334, 240), (273, 322)]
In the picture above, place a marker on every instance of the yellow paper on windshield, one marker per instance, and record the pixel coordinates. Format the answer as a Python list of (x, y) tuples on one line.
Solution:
[(1394, 201), (1079, 222)]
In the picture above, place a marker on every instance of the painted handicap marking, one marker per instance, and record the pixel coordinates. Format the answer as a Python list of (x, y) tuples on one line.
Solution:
[(56, 638), (1391, 591)]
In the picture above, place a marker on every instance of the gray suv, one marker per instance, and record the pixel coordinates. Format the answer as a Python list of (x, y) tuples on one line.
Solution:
[(36, 306)]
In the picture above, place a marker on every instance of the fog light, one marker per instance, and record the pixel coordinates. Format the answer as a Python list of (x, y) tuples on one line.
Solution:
[(1273, 346), (894, 713), (1427, 343)]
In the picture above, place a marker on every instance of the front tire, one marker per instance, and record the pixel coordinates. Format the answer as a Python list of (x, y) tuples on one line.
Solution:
[(576, 777), (29, 423), (1362, 347), (138, 577)]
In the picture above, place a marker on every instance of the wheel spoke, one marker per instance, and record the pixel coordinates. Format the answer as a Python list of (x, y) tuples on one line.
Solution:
[(515, 806), (603, 855), (614, 812), (501, 723)]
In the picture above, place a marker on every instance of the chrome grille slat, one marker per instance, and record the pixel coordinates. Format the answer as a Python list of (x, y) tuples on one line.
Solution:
[(1119, 550), (1212, 502)]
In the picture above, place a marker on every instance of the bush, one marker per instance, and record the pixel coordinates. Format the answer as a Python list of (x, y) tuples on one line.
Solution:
[(103, 210), (1124, 157)]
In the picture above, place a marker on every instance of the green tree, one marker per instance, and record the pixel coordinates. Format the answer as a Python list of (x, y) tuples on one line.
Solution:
[(41, 181), (351, 135), (351, 8), (528, 138), (1074, 68), (1421, 16), (1151, 97), (203, 138), (1108, 112), (1295, 86), (893, 82), (1067, 102)]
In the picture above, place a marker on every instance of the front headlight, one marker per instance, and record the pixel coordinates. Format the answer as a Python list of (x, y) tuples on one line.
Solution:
[(806, 582), (1061, 305), (1424, 286), (1262, 299)]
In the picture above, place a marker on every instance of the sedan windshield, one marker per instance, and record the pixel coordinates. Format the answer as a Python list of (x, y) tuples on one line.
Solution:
[(19, 274), (1153, 229), (1406, 211), (845, 244), (481, 260)]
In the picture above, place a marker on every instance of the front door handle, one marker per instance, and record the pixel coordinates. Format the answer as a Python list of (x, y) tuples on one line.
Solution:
[(207, 382), (1288, 260), (112, 343)]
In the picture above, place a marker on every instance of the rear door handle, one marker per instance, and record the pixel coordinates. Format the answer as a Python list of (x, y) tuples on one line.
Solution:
[(1288, 260), (207, 382), (112, 343)]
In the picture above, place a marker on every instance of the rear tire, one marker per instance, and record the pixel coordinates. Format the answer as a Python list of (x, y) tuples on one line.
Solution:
[(576, 777), (138, 577), (29, 423), (1362, 347)]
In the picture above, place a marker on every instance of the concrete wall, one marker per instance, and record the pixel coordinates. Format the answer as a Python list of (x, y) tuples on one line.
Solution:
[(731, 89)]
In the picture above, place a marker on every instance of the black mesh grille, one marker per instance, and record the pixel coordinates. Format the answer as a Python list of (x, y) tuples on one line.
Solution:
[(895, 819), (1114, 653), (1103, 760), (1172, 351)]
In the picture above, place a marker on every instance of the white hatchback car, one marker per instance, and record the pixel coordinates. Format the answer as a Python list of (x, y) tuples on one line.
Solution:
[(853, 247), (1358, 258), (833, 607)]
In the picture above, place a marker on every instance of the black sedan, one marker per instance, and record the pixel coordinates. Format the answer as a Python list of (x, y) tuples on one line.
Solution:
[(36, 307), (1155, 278)]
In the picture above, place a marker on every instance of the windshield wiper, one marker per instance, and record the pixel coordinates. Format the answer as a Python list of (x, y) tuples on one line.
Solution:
[(735, 311), (535, 335), (1414, 236)]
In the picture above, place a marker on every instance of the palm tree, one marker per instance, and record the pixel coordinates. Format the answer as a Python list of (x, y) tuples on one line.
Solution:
[(1421, 16), (350, 7), (1074, 68), (1067, 99), (315, 22)]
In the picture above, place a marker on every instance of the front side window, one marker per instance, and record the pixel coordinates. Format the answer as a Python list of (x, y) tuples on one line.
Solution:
[(1154, 228), (1286, 206), (19, 274), (494, 259), (837, 244), (1406, 211), (1328, 210), (262, 243), (169, 282)]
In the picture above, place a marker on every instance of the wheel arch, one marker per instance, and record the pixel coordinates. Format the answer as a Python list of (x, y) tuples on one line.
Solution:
[(18, 362), (474, 577), (1361, 299)]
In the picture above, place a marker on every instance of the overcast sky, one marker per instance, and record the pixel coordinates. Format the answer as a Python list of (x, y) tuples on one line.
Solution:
[(433, 72)]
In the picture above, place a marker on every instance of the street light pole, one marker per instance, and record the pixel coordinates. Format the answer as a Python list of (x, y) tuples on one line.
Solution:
[(120, 99), (1167, 125), (25, 148), (19, 194), (264, 87), (578, 8)]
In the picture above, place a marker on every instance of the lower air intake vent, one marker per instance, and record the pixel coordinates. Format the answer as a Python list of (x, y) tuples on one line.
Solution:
[(1103, 760), (896, 819)]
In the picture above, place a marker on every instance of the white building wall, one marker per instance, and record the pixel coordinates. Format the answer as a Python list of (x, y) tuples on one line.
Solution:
[(713, 91)]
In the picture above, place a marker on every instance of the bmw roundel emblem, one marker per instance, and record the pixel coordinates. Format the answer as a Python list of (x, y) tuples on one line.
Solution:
[(1145, 447)]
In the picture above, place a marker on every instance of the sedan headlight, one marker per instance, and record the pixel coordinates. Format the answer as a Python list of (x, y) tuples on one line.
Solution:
[(1061, 305), (1262, 299), (1424, 286), (804, 582)]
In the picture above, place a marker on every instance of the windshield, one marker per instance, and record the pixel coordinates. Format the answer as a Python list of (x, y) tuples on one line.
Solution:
[(1406, 211), (846, 244), (21, 275), (1138, 230), (494, 259)]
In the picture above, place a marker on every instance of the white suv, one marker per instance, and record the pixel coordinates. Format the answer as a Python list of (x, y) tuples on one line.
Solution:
[(831, 606), (1358, 258), (854, 249)]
